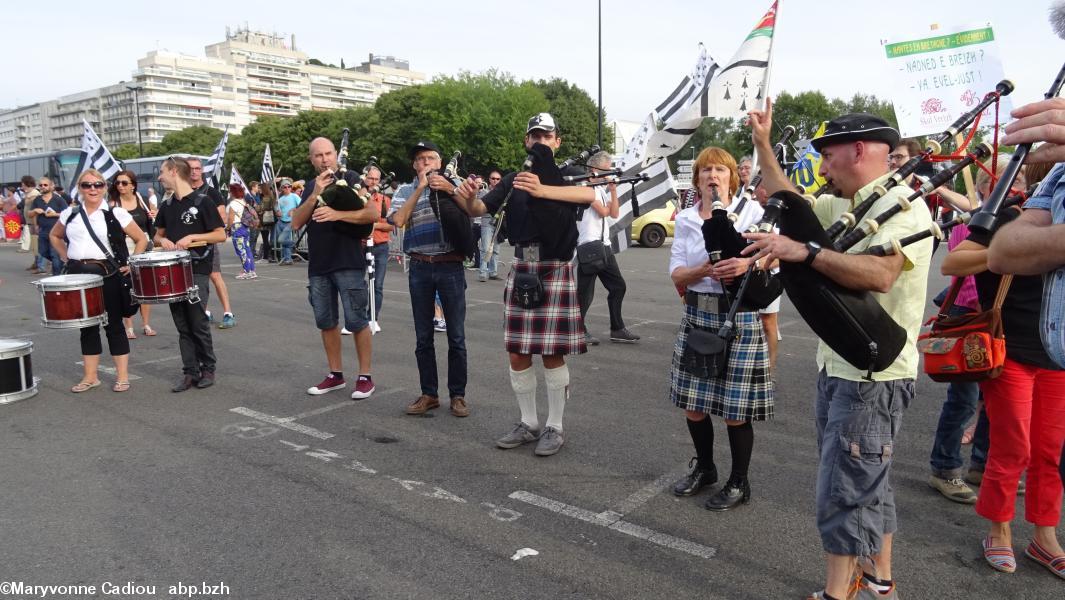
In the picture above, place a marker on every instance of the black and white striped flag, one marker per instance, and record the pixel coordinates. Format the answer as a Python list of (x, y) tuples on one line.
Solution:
[(94, 155), (650, 194), (212, 167), (236, 179), (268, 170), (691, 88)]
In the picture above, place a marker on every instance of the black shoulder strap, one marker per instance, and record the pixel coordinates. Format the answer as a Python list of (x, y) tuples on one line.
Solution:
[(92, 234)]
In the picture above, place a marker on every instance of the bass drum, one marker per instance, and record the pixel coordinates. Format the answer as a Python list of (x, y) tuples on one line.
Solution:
[(16, 371)]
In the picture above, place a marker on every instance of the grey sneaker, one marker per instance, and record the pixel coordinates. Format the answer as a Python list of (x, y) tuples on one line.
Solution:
[(521, 434), (550, 442), (974, 477), (590, 339), (954, 489)]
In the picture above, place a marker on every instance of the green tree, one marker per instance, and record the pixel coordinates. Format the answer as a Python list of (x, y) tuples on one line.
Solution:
[(192, 140), (577, 115)]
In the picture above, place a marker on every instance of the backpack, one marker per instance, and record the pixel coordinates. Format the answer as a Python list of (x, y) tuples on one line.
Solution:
[(249, 218)]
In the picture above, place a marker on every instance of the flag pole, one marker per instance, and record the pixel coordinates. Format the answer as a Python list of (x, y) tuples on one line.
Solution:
[(765, 85), (599, 123)]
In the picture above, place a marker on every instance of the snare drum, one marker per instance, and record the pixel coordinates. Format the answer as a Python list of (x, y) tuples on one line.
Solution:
[(72, 301), (163, 277), (16, 371)]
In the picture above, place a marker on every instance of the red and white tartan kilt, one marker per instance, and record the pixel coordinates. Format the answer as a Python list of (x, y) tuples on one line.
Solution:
[(554, 327)]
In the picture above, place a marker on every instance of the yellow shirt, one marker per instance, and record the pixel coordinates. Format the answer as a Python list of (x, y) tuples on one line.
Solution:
[(906, 300)]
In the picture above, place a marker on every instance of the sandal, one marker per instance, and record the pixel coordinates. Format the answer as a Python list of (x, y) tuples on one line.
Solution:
[(84, 387), (1000, 558), (148, 331), (120, 386), (129, 334)]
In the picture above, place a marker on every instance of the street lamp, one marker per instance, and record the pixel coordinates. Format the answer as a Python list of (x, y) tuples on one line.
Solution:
[(137, 112), (693, 152)]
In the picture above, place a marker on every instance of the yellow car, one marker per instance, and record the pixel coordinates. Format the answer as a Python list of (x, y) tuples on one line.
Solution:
[(652, 228)]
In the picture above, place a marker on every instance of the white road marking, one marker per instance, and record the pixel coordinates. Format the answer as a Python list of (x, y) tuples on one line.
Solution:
[(643, 533), (520, 554), (271, 419), (110, 371), (332, 407), (157, 361), (638, 499)]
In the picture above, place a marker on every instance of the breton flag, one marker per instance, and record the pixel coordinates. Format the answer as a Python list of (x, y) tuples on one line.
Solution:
[(268, 170), (735, 89), (691, 88), (94, 155), (650, 194), (236, 179), (212, 167)]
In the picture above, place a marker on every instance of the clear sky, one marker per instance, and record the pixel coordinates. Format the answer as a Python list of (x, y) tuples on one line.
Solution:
[(61, 47)]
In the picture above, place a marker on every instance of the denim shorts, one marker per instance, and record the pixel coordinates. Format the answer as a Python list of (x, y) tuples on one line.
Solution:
[(350, 284), (857, 423)]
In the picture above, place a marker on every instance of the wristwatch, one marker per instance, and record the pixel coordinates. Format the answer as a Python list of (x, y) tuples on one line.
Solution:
[(812, 249)]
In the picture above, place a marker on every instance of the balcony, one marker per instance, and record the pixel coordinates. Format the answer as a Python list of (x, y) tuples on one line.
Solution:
[(261, 109), (273, 74), (169, 112), (176, 74), (157, 85)]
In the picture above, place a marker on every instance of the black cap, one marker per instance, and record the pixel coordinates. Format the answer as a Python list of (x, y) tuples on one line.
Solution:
[(422, 146), (857, 127)]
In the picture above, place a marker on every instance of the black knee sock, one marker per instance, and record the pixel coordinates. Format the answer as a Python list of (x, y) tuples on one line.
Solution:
[(741, 442), (702, 433)]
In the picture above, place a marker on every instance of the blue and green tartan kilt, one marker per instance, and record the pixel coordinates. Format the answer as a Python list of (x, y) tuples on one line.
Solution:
[(552, 328), (746, 391)]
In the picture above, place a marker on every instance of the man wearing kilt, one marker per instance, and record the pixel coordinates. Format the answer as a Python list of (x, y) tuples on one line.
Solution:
[(745, 392), (543, 249), (857, 414)]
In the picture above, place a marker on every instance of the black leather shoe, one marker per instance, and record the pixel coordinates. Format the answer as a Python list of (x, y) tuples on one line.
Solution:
[(186, 382), (696, 480), (734, 493), (206, 380)]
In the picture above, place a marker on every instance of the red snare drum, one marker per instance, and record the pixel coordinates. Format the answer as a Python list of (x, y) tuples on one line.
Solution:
[(163, 277), (16, 371), (72, 301)]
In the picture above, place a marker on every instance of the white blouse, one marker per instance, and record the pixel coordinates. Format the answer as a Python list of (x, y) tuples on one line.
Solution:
[(79, 244), (689, 248)]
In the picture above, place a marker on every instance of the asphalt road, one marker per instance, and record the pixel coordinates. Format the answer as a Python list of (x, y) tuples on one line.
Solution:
[(277, 494)]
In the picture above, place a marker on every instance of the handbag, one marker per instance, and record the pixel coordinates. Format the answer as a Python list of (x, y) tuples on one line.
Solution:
[(705, 354), (129, 305), (969, 347), (528, 290), (592, 256)]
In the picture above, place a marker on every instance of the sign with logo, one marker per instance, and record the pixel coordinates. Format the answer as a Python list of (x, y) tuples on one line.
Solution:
[(939, 78)]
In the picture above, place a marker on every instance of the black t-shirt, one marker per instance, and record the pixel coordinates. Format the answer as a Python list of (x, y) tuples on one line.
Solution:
[(522, 228), (1020, 312), (332, 249), (194, 213), (214, 195)]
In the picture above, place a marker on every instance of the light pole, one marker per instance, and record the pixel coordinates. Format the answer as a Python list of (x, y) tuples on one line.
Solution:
[(137, 113), (599, 122)]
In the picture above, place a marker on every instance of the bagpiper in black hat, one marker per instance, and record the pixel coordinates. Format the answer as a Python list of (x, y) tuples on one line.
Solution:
[(857, 127)]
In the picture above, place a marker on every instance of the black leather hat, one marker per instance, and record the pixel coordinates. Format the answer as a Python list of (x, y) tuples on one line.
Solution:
[(857, 127), (422, 146)]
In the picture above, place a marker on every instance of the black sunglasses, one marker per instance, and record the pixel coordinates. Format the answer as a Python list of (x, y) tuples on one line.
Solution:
[(85, 185), (120, 182)]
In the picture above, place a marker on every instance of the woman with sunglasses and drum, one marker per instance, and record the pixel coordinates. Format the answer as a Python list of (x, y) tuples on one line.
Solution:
[(123, 194), (84, 255)]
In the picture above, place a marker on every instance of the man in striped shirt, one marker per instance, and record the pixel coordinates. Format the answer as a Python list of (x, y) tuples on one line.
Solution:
[(435, 269)]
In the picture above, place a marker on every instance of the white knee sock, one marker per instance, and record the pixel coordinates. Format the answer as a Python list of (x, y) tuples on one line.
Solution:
[(524, 384), (557, 381)]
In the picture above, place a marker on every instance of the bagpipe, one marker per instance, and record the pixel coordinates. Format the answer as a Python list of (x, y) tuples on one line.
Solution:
[(455, 224), (723, 241), (851, 322), (343, 195)]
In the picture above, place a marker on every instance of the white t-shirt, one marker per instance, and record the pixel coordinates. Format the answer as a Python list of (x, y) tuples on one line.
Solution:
[(80, 245), (689, 247), (591, 226), (237, 206)]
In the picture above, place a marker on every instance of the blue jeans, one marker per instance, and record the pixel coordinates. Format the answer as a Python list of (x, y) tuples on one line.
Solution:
[(380, 264), (425, 282), (284, 236), (47, 254), (981, 442), (488, 268), (960, 406), (350, 286)]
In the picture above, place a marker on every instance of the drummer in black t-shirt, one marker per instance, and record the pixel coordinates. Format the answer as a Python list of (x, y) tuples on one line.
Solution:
[(541, 224), (190, 218)]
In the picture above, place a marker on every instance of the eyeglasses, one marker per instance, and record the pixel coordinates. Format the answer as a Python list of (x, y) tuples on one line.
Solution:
[(85, 185), (123, 183)]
